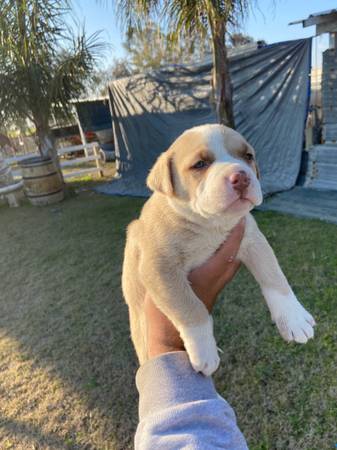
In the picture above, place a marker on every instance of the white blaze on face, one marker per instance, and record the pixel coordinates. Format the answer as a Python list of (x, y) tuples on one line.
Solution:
[(216, 195)]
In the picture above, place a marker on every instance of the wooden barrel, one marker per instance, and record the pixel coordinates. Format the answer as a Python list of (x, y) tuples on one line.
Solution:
[(42, 183)]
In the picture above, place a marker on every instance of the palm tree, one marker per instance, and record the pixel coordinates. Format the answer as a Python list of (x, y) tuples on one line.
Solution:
[(189, 17), (43, 64)]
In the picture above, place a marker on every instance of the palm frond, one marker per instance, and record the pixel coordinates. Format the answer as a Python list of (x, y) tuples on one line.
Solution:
[(43, 63)]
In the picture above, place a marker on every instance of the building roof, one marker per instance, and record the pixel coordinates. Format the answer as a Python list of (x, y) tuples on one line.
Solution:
[(325, 21)]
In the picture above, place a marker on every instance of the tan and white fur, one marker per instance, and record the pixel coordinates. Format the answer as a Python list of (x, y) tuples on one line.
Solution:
[(202, 186)]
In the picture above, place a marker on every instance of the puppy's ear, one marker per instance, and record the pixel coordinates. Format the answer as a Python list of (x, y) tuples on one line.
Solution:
[(161, 177)]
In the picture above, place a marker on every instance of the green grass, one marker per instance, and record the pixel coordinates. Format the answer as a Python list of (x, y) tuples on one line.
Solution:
[(66, 362)]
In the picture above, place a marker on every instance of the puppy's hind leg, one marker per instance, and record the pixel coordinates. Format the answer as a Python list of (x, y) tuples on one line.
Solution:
[(134, 294), (139, 333)]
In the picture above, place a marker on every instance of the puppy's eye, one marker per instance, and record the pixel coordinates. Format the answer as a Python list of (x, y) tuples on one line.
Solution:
[(249, 156), (201, 164)]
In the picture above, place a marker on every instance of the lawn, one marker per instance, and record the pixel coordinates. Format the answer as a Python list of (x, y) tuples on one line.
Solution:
[(66, 362)]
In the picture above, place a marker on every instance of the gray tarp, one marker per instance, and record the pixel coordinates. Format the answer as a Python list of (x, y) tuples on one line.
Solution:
[(271, 88)]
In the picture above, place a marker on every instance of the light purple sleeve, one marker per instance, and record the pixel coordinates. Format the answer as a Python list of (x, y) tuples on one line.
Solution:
[(180, 409)]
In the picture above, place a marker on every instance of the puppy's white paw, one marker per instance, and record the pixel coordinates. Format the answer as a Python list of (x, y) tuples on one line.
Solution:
[(201, 347), (292, 320)]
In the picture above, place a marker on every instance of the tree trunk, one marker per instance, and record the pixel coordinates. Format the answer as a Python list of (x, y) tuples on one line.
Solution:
[(222, 85), (47, 148)]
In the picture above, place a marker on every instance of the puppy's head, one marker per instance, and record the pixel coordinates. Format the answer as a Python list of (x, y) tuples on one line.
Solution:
[(212, 169)]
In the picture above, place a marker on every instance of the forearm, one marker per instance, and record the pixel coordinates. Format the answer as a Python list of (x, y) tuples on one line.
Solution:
[(179, 408)]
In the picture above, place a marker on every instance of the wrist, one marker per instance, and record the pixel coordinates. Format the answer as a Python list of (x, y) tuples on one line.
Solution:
[(162, 336)]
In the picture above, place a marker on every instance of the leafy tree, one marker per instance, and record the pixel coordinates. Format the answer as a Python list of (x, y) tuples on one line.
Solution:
[(184, 18), (237, 39), (43, 64), (146, 48), (150, 48), (98, 83), (120, 68)]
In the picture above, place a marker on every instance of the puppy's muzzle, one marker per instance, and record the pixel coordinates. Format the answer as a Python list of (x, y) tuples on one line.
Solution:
[(240, 181)]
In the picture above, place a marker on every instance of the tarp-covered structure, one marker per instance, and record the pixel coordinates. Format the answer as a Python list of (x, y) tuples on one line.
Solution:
[(94, 115), (271, 89)]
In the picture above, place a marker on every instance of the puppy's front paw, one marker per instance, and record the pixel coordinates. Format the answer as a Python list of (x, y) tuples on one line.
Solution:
[(292, 320), (201, 347)]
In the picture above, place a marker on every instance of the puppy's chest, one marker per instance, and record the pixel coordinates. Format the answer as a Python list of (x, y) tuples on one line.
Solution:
[(198, 248)]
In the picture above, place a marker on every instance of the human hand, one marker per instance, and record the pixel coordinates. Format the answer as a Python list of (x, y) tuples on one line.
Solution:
[(206, 281)]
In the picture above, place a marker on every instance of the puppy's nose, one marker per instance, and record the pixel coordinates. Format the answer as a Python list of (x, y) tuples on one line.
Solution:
[(240, 180)]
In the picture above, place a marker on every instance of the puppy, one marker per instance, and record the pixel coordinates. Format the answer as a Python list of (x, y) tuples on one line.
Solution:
[(203, 185)]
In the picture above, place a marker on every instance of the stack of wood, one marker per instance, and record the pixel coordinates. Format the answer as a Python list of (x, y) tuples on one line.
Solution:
[(322, 167), (329, 95)]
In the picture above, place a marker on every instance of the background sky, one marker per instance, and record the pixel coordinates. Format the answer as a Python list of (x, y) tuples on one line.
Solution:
[(268, 21)]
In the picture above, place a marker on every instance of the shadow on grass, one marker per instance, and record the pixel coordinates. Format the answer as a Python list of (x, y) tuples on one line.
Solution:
[(62, 303)]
